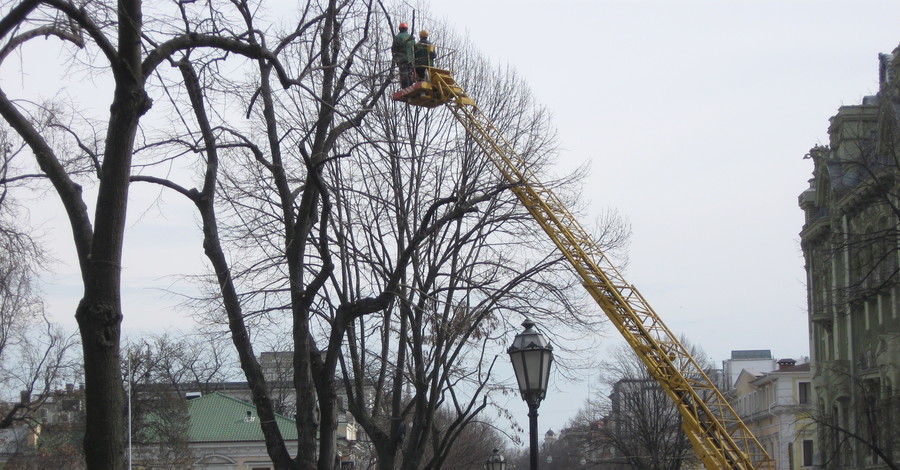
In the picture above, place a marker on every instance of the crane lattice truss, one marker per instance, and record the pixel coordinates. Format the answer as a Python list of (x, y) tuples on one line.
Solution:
[(719, 437)]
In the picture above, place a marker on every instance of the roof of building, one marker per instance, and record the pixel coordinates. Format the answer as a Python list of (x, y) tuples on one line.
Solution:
[(751, 373), (752, 354), (801, 369), (797, 368), (220, 418)]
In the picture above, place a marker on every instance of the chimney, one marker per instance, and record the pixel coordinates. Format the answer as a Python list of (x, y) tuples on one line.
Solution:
[(786, 363)]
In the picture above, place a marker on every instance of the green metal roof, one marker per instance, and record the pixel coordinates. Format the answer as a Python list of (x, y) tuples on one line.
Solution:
[(219, 418)]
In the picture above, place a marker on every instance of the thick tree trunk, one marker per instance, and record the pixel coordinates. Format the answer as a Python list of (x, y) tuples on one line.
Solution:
[(328, 425), (99, 317), (99, 313)]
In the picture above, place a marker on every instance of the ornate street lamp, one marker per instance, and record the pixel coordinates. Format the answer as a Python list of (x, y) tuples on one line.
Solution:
[(531, 356), (495, 462)]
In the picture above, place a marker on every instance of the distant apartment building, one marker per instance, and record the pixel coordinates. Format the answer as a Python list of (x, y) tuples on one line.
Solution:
[(585, 445), (759, 360), (851, 244), (776, 406), (51, 437)]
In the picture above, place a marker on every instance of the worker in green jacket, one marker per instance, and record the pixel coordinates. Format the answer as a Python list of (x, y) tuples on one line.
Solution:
[(404, 55), (424, 56)]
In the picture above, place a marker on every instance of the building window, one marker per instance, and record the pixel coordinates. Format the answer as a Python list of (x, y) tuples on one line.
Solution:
[(804, 393), (790, 456), (807, 452)]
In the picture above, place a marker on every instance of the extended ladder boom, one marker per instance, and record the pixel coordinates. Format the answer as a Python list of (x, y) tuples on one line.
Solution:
[(719, 437)]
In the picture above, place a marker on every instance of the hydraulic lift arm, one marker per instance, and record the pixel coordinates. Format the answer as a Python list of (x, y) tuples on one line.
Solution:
[(719, 437)]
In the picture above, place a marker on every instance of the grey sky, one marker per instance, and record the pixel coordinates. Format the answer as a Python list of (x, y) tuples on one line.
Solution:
[(694, 117)]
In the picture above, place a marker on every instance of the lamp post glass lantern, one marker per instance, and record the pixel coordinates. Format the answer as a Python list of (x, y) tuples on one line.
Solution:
[(531, 355), (495, 461)]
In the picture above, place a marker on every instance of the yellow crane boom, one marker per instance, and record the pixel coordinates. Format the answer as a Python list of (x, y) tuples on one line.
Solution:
[(718, 435)]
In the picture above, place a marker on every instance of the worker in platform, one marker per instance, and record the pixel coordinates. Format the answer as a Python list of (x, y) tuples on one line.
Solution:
[(404, 54), (424, 56)]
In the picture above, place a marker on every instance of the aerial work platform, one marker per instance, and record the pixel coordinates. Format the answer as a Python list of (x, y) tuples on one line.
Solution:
[(440, 88)]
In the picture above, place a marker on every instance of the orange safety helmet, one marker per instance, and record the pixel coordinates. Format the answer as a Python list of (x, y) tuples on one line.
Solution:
[(404, 26)]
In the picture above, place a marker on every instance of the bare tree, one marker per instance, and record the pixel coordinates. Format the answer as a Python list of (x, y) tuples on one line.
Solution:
[(182, 362), (432, 351), (59, 447), (116, 42), (472, 447), (159, 372), (263, 193), (637, 419), (270, 198), (335, 224), (36, 356), (40, 360)]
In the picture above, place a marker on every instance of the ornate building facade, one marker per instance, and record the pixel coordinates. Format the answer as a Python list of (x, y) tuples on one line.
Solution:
[(851, 244)]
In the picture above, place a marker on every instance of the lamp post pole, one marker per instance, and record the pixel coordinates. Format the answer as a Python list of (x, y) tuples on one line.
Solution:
[(531, 355), (533, 433)]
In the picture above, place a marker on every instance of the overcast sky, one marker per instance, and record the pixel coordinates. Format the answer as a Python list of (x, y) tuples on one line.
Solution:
[(694, 117)]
